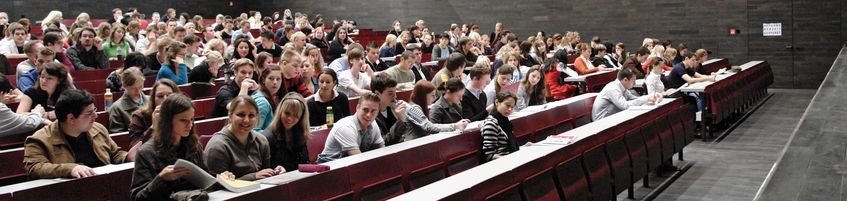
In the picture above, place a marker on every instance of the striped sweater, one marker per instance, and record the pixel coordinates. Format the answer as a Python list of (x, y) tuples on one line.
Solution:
[(494, 140)]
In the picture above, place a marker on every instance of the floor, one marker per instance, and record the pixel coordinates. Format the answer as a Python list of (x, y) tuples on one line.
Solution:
[(735, 167)]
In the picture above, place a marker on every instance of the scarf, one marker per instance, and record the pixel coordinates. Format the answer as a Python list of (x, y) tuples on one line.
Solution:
[(507, 128)]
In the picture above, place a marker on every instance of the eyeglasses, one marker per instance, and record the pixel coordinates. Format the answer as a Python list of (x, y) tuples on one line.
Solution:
[(92, 113), (87, 36)]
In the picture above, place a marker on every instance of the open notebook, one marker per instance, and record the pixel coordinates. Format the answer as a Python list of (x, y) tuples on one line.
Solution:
[(201, 178)]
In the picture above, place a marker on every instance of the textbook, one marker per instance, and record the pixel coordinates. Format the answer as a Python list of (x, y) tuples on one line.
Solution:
[(203, 179), (559, 140)]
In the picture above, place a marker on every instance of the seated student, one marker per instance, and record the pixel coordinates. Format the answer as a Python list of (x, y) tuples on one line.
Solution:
[(291, 80), (466, 46), (654, 80), (319, 39), (307, 73), (325, 97), (299, 42), (141, 125), (339, 45), (237, 148), (448, 108), (288, 133), (415, 123), (402, 40), (174, 67), (583, 65), (387, 49), (16, 38), (74, 144), (268, 95), (686, 72), (154, 60), (658, 53), (532, 91), (242, 49), (87, 53), (474, 100), (427, 43), (373, 60), (117, 47), (598, 54), (634, 63), (31, 50), (243, 84), (498, 136), (356, 80), (514, 59), (263, 59), (504, 75), (54, 80), (355, 134), (453, 67), (615, 96), (385, 87), (526, 59), (120, 114), (343, 63), (192, 50), (154, 176), (554, 74), (268, 45), (133, 60), (207, 71), (421, 72), (37, 59), (244, 29), (402, 72), (443, 49), (54, 41), (12, 123), (314, 53)]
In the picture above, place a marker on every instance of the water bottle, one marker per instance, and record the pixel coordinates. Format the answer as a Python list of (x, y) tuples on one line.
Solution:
[(120, 53), (108, 98), (330, 118)]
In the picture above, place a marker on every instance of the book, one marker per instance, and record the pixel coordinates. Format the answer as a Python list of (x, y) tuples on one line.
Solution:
[(204, 180), (560, 139), (237, 186)]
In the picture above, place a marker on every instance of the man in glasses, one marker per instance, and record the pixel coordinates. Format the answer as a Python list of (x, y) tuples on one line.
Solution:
[(87, 54), (74, 144)]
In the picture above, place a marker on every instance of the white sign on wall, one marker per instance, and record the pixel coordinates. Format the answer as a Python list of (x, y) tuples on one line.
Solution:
[(772, 29)]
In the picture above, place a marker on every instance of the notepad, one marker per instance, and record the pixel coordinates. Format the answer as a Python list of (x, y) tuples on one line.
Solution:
[(237, 186), (204, 180)]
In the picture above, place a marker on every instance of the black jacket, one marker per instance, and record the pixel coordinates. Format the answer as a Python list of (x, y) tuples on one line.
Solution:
[(473, 108)]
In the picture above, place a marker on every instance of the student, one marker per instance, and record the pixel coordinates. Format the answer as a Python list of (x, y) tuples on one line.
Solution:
[(269, 92), (74, 144), (307, 73), (356, 80), (263, 59), (514, 59), (385, 87), (326, 96), (116, 43), (686, 72), (27, 71), (654, 80), (498, 136), (597, 56), (237, 148), (474, 99), (583, 65), (12, 123), (615, 96), (504, 75), (338, 45), (243, 84), (442, 50), (354, 134), (88, 53), (288, 133), (174, 68), (292, 82), (526, 59), (554, 72), (466, 44), (453, 67), (207, 70), (634, 63), (387, 49), (532, 91), (448, 108), (414, 122), (120, 114), (268, 45), (243, 49), (141, 125), (54, 81), (402, 40), (402, 72), (373, 60), (154, 176), (133, 60), (192, 50), (343, 63), (299, 40), (421, 72)]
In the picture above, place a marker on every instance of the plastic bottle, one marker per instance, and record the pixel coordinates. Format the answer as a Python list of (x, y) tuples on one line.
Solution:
[(330, 118), (108, 98)]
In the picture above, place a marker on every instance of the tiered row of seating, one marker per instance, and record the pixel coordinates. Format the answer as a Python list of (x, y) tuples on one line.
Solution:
[(731, 93), (383, 173), (610, 155)]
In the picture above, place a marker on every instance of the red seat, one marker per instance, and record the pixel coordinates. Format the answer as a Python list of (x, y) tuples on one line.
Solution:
[(599, 177), (637, 154), (512, 192), (13, 170), (420, 166), (116, 63), (210, 126), (14, 80), (93, 86), (329, 185), (204, 139), (316, 143), (571, 180), (540, 186), (426, 57), (620, 164), (84, 75), (653, 145), (678, 130), (353, 103), (461, 152), (377, 178), (665, 136), (122, 140)]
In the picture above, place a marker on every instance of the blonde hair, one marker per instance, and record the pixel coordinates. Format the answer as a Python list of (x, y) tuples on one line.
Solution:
[(647, 42), (390, 37), (483, 60), (658, 51), (670, 53), (215, 42), (214, 56), (83, 16), (52, 16), (504, 52)]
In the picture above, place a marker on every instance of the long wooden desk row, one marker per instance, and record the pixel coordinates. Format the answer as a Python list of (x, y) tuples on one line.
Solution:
[(390, 171), (609, 156), (732, 92), (398, 168)]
